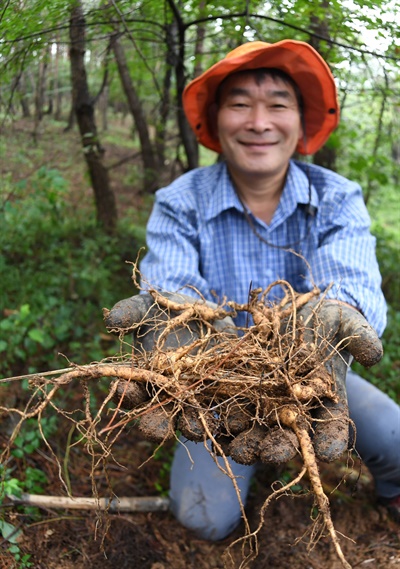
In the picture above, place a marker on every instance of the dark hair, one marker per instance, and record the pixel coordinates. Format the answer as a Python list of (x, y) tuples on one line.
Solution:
[(259, 74)]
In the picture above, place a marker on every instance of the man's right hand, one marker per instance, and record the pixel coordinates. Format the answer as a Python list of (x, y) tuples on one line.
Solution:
[(146, 319)]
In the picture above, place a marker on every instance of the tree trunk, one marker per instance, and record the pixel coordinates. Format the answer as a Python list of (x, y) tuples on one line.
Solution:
[(161, 126), (71, 118), (21, 88), (394, 128), (40, 88), (188, 138), (326, 156), (135, 107), (40, 94), (103, 107), (199, 46), (50, 98), (57, 82), (84, 109)]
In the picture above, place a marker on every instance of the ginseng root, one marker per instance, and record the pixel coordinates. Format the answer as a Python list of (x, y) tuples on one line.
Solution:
[(291, 418)]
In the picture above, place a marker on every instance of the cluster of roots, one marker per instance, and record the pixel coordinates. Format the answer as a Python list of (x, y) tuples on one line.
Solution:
[(252, 392), (235, 386)]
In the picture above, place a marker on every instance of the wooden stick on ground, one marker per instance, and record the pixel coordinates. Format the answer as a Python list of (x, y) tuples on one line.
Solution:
[(123, 504)]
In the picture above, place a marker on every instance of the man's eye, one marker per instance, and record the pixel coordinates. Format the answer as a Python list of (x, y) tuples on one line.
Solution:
[(279, 106)]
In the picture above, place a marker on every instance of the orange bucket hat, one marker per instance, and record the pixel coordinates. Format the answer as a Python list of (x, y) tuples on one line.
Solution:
[(296, 58)]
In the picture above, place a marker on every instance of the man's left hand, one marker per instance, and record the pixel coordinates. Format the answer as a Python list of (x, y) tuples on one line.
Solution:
[(347, 335)]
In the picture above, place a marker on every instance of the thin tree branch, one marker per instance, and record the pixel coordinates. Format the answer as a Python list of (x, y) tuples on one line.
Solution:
[(243, 14), (176, 13), (130, 36), (124, 160), (105, 74), (96, 23), (292, 26), (14, 86), (4, 9), (368, 191)]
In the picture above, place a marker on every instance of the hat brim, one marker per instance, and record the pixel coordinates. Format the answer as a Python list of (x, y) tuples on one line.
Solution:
[(299, 60)]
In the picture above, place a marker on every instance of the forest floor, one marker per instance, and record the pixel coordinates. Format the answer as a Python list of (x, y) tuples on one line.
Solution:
[(78, 539)]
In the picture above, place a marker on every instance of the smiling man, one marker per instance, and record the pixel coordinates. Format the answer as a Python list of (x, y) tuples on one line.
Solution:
[(257, 216)]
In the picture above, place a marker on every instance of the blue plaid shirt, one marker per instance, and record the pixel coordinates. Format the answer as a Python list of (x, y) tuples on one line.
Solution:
[(198, 236)]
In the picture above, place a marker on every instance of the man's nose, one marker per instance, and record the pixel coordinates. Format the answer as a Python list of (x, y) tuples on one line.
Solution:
[(260, 118)]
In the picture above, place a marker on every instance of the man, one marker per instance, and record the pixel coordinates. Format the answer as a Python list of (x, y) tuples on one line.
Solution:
[(256, 216)]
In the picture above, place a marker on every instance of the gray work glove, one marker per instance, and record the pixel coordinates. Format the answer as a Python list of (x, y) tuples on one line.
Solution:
[(145, 319), (343, 334), (128, 314)]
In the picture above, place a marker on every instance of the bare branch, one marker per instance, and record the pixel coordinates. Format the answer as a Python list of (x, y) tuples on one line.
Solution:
[(122, 504)]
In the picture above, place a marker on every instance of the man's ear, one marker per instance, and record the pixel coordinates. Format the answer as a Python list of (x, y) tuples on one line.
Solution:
[(213, 120), (302, 137)]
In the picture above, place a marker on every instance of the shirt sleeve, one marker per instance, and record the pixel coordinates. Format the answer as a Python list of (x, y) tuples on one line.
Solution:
[(345, 256), (173, 254)]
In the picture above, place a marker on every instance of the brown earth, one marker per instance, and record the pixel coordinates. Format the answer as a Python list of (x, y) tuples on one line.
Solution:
[(80, 539)]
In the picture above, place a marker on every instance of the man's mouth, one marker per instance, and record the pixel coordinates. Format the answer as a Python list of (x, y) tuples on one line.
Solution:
[(257, 144)]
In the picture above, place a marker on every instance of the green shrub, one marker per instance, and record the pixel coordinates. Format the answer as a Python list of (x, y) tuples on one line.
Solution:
[(386, 374), (388, 253), (58, 271)]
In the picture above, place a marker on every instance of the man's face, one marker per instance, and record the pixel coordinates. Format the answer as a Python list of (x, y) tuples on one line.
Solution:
[(258, 125)]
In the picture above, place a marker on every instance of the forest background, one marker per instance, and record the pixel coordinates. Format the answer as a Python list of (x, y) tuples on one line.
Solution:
[(91, 124)]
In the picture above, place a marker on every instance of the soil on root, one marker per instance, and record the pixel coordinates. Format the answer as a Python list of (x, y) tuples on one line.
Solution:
[(84, 540)]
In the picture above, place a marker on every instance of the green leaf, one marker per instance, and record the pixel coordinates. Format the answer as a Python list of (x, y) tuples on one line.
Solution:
[(9, 532), (31, 447), (24, 310), (18, 453), (36, 335), (12, 487), (15, 550)]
